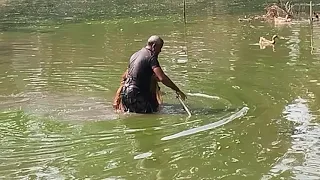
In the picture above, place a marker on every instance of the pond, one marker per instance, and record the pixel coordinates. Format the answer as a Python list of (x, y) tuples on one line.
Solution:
[(254, 111)]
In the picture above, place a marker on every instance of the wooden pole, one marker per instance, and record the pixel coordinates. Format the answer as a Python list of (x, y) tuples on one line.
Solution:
[(311, 12), (184, 106), (184, 12), (311, 40), (299, 12)]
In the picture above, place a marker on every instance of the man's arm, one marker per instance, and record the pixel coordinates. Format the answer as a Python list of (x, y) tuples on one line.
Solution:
[(164, 78), (167, 81), (161, 76)]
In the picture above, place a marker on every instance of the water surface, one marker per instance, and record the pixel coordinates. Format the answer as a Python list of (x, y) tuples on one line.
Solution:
[(58, 81)]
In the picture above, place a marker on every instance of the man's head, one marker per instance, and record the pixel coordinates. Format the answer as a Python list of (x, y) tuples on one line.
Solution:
[(155, 43)]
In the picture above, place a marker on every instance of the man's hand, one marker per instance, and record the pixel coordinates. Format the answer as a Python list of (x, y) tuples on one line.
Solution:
[(181, 95)]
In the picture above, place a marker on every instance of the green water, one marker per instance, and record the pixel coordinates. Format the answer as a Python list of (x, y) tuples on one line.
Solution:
[(58, 81)]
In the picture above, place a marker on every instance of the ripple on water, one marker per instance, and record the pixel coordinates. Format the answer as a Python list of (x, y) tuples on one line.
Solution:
[(63, 106), (30, 149)]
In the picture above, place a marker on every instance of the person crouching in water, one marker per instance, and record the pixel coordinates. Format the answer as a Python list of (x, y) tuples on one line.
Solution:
[(137, 91), (157, 99)]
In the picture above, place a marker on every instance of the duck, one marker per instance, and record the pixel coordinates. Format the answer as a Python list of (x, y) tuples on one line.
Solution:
[(265, 41)]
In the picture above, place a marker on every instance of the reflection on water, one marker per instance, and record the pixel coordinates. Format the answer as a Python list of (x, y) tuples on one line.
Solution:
[(302, 158), (57, 87)]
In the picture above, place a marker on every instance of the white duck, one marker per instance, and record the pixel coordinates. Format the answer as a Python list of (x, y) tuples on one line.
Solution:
[(266, 41), (263, 42)]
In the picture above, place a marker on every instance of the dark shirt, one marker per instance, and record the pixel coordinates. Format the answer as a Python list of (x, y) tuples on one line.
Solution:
[(140, 69)]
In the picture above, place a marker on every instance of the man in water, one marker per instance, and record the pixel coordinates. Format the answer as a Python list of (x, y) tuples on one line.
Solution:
[(135, 94)]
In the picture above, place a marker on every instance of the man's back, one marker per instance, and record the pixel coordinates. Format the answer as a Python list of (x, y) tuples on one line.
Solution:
[(140, 69)]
